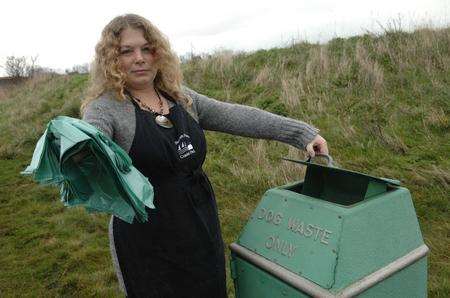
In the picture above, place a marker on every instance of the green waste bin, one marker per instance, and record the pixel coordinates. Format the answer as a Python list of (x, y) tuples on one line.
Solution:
[(336, 234)]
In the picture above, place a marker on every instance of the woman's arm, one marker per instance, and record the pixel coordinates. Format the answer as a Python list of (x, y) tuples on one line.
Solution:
[(251, 122), (98, 116)]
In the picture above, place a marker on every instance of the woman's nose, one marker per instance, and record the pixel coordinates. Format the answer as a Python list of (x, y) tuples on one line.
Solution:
[(138, 57)]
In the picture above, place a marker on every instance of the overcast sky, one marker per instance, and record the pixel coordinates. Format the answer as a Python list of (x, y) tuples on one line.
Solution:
[(64, 33)]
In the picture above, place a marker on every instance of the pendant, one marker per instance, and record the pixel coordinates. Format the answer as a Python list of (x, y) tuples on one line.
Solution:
[(163, 121)]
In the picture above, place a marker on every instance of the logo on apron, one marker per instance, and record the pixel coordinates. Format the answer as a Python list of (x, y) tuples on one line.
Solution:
[(184, 146)]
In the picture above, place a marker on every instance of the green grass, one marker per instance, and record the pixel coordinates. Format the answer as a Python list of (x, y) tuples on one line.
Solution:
[(381, 101)]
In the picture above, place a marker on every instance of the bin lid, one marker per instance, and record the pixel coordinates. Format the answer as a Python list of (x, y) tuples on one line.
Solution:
[(338, 185)]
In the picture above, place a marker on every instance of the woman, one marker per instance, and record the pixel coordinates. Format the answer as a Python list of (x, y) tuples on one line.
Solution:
[(137, 99)]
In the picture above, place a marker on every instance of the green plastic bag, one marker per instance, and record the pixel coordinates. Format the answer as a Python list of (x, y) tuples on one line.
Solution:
[(90, 169)]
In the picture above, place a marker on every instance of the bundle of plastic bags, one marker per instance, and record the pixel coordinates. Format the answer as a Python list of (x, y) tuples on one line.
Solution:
[(90, 169)]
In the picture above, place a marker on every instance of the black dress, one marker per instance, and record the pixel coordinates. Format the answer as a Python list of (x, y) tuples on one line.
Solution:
[(179, 252)]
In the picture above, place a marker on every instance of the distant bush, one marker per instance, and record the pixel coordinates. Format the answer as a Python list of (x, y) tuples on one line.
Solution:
[(22, 67), (78, 69)]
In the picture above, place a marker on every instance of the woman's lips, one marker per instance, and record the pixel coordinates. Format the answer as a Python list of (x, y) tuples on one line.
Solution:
[(141, 71)]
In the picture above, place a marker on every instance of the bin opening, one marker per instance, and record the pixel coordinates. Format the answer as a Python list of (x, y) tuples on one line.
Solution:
[(340, 186)]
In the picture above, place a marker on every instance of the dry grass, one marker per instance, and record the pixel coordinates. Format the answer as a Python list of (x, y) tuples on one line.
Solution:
[(437, 118), (292, 91), (261, 170), (263, 77), (3, 93), (370, 71), (438, 175), (389, 139), (222, 65)]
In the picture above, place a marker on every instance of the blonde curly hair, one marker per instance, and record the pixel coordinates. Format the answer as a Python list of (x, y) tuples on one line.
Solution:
[(105, 74)]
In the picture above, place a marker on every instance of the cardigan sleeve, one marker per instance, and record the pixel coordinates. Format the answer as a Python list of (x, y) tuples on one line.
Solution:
[(98, 116), (250, 122)]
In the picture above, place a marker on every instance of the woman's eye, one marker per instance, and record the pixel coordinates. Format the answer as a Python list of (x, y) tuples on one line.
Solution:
[(124, 52)]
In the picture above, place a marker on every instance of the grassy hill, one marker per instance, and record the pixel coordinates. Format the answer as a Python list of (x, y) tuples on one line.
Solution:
[(381, 101)]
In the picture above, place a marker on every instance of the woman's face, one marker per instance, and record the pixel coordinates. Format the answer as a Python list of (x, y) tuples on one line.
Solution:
[(136, 59)]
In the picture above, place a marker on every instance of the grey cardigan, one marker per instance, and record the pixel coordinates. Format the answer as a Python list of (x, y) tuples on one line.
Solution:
[(117, 120)]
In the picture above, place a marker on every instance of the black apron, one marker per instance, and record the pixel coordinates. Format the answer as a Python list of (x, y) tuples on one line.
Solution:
[(179, 252)]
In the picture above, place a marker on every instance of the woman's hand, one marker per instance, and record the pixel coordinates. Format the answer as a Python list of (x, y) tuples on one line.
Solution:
[(317, 146)]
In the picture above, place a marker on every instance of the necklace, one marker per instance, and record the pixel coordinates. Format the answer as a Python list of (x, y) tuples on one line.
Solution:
[(160, 119)]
